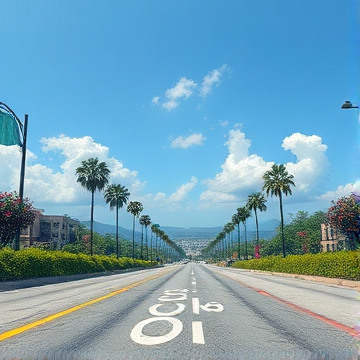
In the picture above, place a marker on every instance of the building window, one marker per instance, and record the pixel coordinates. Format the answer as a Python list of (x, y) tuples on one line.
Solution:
[(333, 247), (55, 235), (62, 236), (327, 247), (25, 231), (56, 225), (45, 231)]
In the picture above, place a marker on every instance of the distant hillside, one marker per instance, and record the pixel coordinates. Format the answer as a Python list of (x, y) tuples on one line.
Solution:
[(103, 229), (266, 229)]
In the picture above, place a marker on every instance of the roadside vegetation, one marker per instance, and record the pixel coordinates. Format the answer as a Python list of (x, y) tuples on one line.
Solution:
[(34, 263), (341, 265), (295, 248)]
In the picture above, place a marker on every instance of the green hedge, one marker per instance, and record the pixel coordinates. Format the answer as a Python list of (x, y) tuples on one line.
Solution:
[(342, 265), (33, 263)]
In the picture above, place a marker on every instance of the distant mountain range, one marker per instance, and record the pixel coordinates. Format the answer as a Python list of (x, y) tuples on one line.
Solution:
[(266, 229)]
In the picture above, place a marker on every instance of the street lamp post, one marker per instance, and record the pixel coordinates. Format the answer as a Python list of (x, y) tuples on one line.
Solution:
[(10, 116), (349, 105)]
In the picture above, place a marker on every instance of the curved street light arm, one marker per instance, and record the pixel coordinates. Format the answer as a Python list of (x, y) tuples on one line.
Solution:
[(6, 108)]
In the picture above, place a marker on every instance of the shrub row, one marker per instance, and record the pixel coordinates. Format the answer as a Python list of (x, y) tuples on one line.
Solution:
[(33, 263), (342, 265)]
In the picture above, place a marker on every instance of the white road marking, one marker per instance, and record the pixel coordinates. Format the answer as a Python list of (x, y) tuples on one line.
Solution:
[(196, 305), (198, 334), (194, 291), (138, 336), (176, 291), (192, 272), (194, 282), (153, 310), (178, 297), (212, 306)]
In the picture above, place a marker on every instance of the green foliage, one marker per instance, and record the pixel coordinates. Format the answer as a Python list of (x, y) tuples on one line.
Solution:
[(303, 235), (342, 265), (33, 263), (344, 214), (92, 175), (14, 214)]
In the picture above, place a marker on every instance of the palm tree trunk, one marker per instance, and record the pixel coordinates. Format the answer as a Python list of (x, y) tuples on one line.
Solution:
[(282, 226), (133, 239), (238, 241), (142, 240), (257, 227), (228, 246), (146, 244), (246, 252), (151, 246), (92, 223), (156, 245), (117, 232)]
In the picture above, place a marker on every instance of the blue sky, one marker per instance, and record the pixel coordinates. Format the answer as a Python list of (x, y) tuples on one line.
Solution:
[(188, 102)]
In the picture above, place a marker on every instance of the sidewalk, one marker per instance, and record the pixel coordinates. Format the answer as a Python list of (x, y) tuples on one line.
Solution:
[(352, 284), (22, 284)]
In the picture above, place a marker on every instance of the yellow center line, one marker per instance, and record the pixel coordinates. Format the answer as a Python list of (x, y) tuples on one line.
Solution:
[(52, 317)]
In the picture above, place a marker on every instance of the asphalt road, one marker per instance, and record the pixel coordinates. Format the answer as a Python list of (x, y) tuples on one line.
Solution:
[(191, 311)]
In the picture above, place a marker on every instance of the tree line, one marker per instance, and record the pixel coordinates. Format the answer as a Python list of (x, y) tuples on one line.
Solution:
[(302, 235), (93, 175)]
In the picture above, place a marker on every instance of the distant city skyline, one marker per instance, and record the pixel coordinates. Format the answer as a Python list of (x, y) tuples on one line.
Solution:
[(189, 103)]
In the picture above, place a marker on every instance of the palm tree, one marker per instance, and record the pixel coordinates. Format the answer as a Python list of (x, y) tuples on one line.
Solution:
[(147, 222), (117, 196), (154, 230), (277, 181), (144, 221), (141, 222), (135, 208), (236, 221), (93, 175), (228, 228), (160, 234), (256, 201), (244, 213), (221, 237)]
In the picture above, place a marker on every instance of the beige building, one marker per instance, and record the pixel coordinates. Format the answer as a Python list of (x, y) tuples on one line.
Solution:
[(331, 239), (51, 231)]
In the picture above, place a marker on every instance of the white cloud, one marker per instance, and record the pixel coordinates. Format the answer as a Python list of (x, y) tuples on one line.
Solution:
[(242, 172), (10, 167), (185, 142), (186, 88), (42, 184), (311, 161), (341, 191), (224, 123), (171, 203), (213, 78), (155, 100), (183, 190), (183, 89)]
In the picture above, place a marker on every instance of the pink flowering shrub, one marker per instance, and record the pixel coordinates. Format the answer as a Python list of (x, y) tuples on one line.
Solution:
[(14, 214)]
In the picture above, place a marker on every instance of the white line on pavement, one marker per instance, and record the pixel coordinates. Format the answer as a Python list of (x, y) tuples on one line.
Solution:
[(196, 305), (198, 334)]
